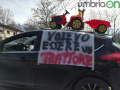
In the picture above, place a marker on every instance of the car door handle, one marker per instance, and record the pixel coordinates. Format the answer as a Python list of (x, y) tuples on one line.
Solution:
[(23, 59)]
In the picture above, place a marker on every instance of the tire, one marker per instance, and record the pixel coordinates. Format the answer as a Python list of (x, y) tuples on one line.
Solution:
[(87, 83), (101, 28), (53, 25), (76, 24), (59, 26)]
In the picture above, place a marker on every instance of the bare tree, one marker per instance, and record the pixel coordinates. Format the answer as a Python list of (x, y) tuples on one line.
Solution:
[(117, 37), (48, 8), (6, 16), (31, 24), (44, 11), (64, 4), (112, 16), (73, 4)]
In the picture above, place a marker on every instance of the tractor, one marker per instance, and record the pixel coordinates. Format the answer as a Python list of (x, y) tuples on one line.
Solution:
[(76, 21)]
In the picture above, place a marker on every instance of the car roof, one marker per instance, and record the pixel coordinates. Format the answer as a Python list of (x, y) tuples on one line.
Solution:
[(104, 36)]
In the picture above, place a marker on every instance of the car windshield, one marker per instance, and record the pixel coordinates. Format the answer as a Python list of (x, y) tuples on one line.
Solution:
[(22, 40), (30, 39), (25, 40)]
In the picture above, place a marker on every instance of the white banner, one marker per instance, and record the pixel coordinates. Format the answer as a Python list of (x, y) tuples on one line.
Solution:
[(67, 48)]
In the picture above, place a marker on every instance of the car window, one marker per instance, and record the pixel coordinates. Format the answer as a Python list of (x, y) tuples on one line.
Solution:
[(21, 44)]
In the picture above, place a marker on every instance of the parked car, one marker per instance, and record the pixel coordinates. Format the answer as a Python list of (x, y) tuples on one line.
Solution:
[(19, 69)]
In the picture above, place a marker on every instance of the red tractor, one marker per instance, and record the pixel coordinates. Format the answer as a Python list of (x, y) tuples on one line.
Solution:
[(76, 22)]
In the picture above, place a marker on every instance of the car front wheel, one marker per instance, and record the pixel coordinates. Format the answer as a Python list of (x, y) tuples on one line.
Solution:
[(91, 84)]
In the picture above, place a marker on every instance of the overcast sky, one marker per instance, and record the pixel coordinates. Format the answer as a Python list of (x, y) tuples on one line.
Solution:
[(20, 8)]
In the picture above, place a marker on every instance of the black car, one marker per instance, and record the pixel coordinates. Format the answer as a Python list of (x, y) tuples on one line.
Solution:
[(19, 69)]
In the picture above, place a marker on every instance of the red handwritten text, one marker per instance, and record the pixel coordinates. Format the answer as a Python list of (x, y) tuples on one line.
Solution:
[(67, 58)]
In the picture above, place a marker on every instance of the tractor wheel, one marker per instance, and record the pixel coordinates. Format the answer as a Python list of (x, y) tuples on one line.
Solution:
[(53, 25), (76, 24), (59, 26), (101, 28)]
